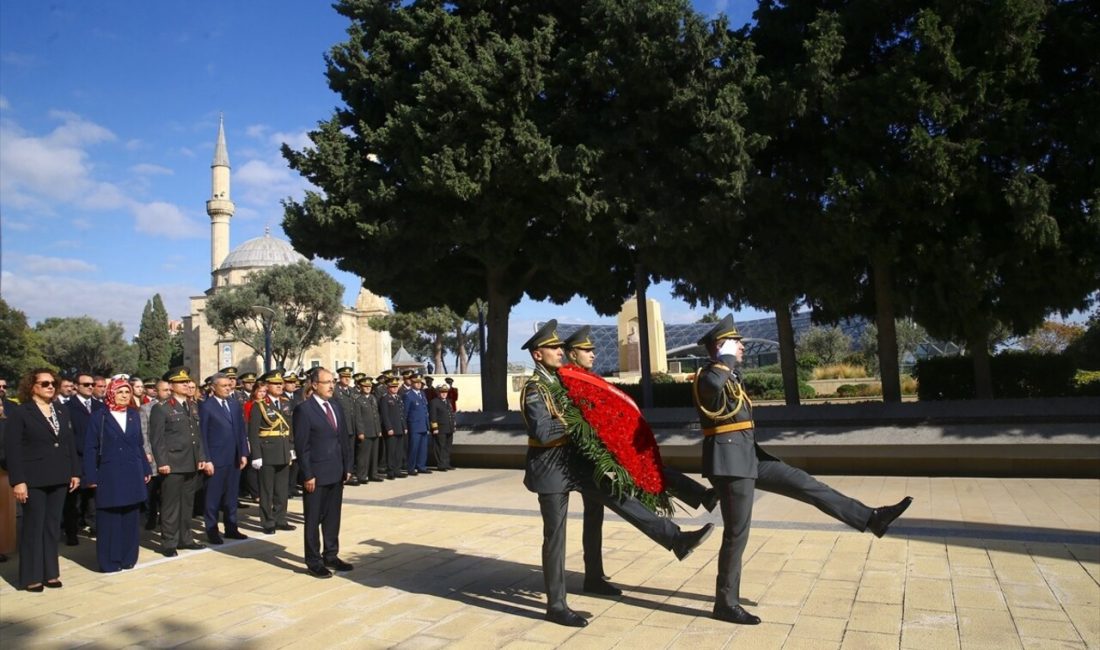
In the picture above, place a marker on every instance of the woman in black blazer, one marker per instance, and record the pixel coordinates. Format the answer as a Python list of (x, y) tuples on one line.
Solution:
[(42, 466)]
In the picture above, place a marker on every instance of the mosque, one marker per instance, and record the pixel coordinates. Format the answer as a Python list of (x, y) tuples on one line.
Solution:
[(205, 351)]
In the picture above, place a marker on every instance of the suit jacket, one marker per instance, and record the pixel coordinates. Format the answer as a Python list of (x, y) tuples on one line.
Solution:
[(441, 416), (79, 417), (324, 452), (416, 412), (114, 460), (223, 432), (720, 400), (175, 436), (274, 421), (548, 469), (35, 455), (144, 411), (392, 410), (368, 419)]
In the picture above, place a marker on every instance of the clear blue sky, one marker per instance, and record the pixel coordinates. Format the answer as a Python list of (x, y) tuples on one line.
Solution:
[(108, 117)]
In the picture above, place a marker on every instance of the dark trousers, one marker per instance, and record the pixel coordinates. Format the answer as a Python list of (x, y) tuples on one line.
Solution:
[(274, 490), (592, 537), (41, 534), (366, 458), (222, 489), (177, 500), (555, 509), (684, 488), (152, 504), (395, 453), (250, 483), (736, 498), (79, 510), (418, 450), (442, 443), (117, 537), (322, 508)]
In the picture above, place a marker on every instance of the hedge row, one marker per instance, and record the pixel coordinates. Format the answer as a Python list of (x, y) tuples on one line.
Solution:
[(1015, 374), (757, 384)]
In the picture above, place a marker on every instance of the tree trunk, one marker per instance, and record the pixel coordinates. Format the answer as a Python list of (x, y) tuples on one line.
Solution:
[(462, 361), (494, 365), (788, 364), (983, 376), (642, 280), (437, 354), (889, 371)]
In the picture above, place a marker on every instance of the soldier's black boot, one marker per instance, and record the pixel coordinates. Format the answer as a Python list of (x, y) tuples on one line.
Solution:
[(687, 542), (881, 518)]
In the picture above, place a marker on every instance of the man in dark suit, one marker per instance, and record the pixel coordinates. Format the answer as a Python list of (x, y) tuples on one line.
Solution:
[(179, 456), (322, 442), (736, 465), (80, 504), (226, 443), (554, 469)]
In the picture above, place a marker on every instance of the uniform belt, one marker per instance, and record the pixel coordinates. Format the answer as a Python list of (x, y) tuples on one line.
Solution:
[(557, 442), (274, 433), (727, 428)]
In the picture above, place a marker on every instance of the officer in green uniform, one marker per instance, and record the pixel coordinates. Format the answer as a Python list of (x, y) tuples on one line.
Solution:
[(554, 469), (245, 383), (179, 458), (368, 431), (736, 465), (271, 442)]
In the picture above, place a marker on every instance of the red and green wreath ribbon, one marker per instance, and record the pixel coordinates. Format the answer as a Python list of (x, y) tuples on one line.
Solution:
[(608, 429)]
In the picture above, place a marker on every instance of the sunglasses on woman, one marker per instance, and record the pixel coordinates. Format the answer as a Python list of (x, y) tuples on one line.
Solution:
[(47, 384)]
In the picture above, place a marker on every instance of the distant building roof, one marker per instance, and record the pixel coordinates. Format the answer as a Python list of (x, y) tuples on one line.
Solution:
[(402, 359), (262, 252)]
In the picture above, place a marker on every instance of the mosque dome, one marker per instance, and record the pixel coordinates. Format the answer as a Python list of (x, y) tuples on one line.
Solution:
[(261, 252)]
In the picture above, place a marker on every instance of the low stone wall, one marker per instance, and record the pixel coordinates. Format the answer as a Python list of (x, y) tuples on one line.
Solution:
[(1041, 438)]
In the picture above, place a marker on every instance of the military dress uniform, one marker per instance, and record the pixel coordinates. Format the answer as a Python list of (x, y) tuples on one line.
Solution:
[(442, 420), (368, 424), (177, 442), (271, 442), (553, 469), (736, 465), (392, 411)]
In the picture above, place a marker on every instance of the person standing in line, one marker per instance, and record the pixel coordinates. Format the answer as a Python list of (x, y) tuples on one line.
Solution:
[(368, 424), (554, 468), (161, 391), (416, 420), (43, 467), (443, 427), (179, 456), (115, 464), (80, 504), (736, 466), (321, 440), (272, 445), (221, 420), (392, 410)]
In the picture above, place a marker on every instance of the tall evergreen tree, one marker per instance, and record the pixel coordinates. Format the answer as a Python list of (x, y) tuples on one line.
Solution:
[(154, 349)]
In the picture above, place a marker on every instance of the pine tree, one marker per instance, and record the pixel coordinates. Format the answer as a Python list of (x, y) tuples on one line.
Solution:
[(153, 344)]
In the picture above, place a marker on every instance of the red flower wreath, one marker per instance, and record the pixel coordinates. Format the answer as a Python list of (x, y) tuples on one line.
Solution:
[(622, 430)]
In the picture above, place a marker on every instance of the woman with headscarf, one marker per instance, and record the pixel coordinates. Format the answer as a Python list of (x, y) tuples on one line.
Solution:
[(42, 468), (115, 464)]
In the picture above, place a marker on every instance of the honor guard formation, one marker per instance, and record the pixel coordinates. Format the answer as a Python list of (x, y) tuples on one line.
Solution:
[(89, 454)]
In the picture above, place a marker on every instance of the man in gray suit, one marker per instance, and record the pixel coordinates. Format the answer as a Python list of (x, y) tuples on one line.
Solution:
[(554, 469), (736, 465)]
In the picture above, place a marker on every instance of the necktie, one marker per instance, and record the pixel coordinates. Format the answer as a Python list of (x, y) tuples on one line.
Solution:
[(331, 415), (225, 403)]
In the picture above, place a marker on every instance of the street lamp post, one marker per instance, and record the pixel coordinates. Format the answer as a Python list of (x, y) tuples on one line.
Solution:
[(268, 315)]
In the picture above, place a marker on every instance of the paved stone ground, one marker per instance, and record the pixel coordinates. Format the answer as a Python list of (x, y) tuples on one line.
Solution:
[(451, 560)]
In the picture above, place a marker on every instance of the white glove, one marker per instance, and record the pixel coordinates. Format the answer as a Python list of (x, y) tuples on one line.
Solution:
[(728, 348), (257, 464), (293, 456)]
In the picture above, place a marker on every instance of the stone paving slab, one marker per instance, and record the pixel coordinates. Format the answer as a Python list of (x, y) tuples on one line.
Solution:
[(451, 560)]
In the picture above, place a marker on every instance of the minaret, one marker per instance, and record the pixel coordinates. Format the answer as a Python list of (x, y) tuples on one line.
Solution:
[(219, 207)]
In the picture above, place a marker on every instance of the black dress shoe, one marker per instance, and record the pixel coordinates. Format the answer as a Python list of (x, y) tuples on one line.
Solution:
[(338, 565), (379, 478), (192, 546), (415, 472), (352, 481), (736, 614), (269, 531), (169, 552), (881, 518), (687, 542), (213, 537), (235, 534), (319, 572), (710, 499), (566, 617), (286, 527), (601, 587), (425, 471), (391, 476)]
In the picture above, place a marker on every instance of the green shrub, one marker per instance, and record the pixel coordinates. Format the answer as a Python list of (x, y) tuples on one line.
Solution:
[(663, 378), (1087, 382), (1015, 374), (859, 390)]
